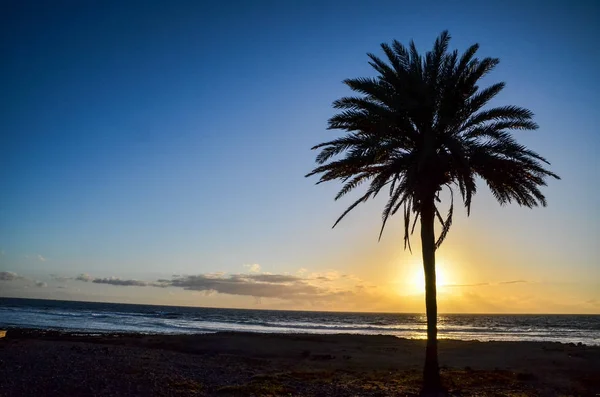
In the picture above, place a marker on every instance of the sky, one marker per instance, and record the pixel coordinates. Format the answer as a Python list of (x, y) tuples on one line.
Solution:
[(155, 152)]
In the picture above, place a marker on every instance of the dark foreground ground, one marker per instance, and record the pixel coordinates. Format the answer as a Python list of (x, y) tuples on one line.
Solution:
[(34, 363)]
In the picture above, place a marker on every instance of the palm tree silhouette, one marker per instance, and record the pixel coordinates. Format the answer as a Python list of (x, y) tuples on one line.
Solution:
[(418, 127)]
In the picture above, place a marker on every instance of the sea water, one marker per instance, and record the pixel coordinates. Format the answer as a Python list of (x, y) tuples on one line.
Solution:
[(117, 317)]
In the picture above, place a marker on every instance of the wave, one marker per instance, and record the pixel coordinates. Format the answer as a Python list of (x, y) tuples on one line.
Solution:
[(100, 317), (161, 319)]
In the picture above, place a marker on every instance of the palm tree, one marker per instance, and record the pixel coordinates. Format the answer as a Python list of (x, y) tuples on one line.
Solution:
[(421, 126)]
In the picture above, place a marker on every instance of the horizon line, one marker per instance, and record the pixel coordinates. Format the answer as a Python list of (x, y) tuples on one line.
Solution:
[(302, 310)]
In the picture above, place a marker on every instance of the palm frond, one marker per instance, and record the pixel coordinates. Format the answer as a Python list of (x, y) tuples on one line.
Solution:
[(466, 59), (445, 223), (421, 124), (505, 113)]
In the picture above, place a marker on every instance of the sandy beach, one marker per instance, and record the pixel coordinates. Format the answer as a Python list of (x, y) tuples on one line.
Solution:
[(243, 364)]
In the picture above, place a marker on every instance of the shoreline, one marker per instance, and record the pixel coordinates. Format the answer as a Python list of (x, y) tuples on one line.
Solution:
[(23, 332), (65, 334), (241, 363)]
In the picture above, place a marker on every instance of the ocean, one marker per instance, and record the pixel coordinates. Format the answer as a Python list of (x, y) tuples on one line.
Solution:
[(93, 317)]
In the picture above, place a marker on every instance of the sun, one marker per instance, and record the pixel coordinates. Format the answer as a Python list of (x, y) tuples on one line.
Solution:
[(417, 280)]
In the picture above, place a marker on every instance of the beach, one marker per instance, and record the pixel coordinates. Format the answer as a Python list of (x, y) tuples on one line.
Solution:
[(34, 362)]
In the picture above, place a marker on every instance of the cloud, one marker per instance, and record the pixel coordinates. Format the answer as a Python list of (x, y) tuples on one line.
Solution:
[(61, 279), (41, 258), (84, 277), (333, 275), (120, 282), (254, 268), (255, 285), (263, 285), (593, 302), (40, 284), (161, 283), (9, 276), (465, 285), (273, 278), (483, 284)]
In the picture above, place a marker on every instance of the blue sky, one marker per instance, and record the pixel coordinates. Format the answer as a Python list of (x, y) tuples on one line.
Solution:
[(145, 139)]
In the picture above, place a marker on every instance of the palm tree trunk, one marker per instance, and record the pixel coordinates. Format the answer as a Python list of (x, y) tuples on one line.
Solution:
[(431, 372)]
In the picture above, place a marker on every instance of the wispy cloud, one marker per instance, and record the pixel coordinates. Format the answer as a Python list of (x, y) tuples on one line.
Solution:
[(40, 284), (41, 258), (332, 275), (484, 284), (61, 279), (466, 285), (118, 281), (282, 286), (9, 276), (593, 302), (84, 277), (258, 286), (302, 271), (253, 268), (272, 278)]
